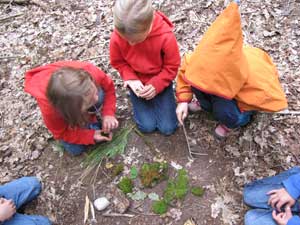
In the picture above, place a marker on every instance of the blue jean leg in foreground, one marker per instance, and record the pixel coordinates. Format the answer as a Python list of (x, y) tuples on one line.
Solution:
[(225, 111), (157, 113), (259, 217), (255, 196), (21, 219), (255, 193), (23, 191)]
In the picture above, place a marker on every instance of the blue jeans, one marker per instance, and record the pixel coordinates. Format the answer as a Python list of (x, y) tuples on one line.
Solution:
[(76, 149), (225, 111), (22, 191), (255, 196), (158, 113)]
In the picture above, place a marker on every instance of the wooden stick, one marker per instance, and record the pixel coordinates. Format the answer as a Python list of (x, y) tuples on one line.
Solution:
[(10, 17), (95, 57), (187, 142), (25, 2), (288, 112), (14, 1), (118, 215)]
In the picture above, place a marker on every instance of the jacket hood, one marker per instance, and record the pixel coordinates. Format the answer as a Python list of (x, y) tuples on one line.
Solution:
[(161, 24), (36, 80)]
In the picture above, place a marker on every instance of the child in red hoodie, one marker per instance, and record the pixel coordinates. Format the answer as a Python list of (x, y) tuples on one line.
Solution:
[(69, 94), (144, 50)]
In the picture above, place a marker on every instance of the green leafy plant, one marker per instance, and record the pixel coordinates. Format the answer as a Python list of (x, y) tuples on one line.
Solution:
[(197, 191), (133, 172), (160, 207), (151, 173), (125, 185), (177, 188)]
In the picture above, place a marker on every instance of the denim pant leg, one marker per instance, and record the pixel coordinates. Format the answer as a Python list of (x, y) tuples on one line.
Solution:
[(22, 190), (143, 113), (19, 219), (204, 99), (157, 113), (255, 193), (76, 149), (165, 111), (228, 113), (259, 217)]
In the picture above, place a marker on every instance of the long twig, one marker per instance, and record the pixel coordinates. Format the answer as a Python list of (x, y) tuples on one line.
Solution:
[(118, 215), (25, 2), (11, 17), (187, 142), (94, 57)]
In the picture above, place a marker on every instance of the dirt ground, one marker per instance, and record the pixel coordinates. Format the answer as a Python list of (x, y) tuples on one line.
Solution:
[(37, 32)]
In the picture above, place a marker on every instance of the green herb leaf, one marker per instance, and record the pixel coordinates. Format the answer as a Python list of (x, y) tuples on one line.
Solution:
[(133, 172), (160, 207)]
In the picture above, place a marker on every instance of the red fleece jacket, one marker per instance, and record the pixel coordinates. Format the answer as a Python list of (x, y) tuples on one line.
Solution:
[(36, 82), (154, 61)]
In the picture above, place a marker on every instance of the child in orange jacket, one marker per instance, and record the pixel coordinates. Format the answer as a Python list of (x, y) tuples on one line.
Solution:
[(144, 50), (69, 94), (228, 79)]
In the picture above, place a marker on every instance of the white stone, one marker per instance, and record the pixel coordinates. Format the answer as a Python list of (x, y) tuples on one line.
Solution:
[(101, 203)]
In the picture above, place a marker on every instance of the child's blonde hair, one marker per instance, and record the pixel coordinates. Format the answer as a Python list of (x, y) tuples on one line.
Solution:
[(132, 16), (66, 91)]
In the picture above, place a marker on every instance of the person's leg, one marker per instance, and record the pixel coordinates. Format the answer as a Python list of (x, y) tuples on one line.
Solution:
[(259, 217), (19, 219), (143, 113), (228, 113), (22, 190), (73, 149), (165, 111), (204, 99), (255, 193)]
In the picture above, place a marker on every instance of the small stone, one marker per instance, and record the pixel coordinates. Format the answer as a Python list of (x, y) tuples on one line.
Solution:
[(35, 154), (101, 203)]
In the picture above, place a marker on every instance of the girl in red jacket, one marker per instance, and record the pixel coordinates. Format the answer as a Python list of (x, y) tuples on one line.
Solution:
[(144, 50), (69, 94)]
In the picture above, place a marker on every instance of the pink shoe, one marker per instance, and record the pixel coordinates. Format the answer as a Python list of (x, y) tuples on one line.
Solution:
[(194, 106), (221, 131)]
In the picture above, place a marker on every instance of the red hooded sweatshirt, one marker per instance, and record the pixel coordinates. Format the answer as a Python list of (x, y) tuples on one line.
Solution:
[(154, 61), (36, 82)]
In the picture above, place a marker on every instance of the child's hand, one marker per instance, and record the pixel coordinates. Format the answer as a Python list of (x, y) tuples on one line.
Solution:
[(135, 85), (109, 123), (182, 111), (99, 136), (282, 218), (7, 209), (279, 198), (148, 92)]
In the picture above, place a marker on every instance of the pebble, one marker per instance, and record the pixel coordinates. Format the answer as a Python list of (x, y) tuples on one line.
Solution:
[(101, 203)]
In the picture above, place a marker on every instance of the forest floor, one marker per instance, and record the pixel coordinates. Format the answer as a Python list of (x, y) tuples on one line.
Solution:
[(36, 32)]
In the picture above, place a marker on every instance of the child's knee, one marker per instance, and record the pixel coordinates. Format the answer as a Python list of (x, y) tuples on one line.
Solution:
[(146, 127), (168, 129), (229, 119), (32, 183), (248, 217)]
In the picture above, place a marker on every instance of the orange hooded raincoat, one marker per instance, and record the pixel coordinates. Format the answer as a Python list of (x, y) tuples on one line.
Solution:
[(222, 66)]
